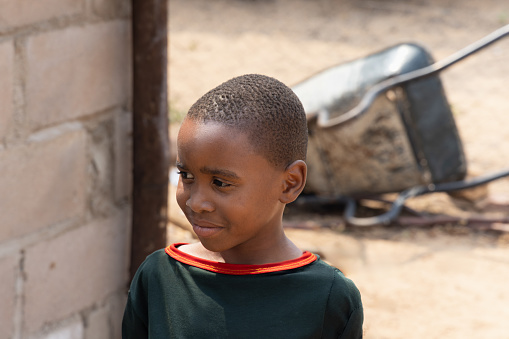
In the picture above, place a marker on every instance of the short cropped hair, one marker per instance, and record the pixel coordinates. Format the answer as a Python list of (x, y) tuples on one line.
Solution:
[(266, 109)]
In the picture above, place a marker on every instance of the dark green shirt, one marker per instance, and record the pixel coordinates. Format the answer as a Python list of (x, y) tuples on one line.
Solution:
[(175, 295)]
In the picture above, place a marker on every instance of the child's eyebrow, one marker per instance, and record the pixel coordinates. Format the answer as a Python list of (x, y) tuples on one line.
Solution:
[(218, 171), (213, 171)]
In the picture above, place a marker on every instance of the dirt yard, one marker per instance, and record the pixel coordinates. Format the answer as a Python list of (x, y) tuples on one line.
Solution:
[(434, 281)]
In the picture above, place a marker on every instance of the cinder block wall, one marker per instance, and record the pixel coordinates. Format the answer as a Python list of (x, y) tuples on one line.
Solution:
[(65, 167)]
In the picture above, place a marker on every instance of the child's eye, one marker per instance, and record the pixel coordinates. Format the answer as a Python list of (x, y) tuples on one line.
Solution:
[(185, 175), (219, 183)]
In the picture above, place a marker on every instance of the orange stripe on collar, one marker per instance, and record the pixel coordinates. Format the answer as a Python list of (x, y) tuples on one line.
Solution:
[(235, 269)]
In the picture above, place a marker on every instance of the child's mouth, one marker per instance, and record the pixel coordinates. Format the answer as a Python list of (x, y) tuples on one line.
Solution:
[(206, 231)]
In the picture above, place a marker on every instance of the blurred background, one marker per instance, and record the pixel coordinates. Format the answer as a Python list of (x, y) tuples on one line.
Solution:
[(433, 281)]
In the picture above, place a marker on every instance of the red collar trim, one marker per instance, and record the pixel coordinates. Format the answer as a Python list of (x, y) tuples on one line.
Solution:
[(235, 269)]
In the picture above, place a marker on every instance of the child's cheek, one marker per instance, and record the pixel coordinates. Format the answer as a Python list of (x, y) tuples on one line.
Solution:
[(181, 195)]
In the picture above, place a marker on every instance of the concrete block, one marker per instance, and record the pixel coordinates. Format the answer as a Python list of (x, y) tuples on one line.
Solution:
[(8, 275), (21, 13), (98, 326), (117, 305), (101, 148), (106, 322), (110, 8), (42, 183), (75, 270), (123, 155), (69, 331), (77, 71), (6, 86)]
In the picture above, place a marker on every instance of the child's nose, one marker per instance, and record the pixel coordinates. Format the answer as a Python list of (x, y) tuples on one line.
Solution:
[(198, 203)]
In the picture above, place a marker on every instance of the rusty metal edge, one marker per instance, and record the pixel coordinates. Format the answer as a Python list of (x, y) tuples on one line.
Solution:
[(150, 129)]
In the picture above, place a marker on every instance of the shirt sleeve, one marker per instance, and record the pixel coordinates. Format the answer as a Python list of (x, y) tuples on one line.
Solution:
[(135, 320), (353, 328), (344, 315), (133, 326)]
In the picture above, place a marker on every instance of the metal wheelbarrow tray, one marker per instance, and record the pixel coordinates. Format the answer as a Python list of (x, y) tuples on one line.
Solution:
[(382, 123)]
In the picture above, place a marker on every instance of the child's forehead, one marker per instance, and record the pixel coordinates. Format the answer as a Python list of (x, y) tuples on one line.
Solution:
[(216, 139), (212, 129), (233, 126), (202, 134)]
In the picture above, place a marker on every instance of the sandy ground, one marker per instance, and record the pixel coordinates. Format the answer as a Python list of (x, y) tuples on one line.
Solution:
[(447, 281)]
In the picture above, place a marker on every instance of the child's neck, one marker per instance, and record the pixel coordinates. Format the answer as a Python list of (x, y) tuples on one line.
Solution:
[(282, 251), (286, 250)]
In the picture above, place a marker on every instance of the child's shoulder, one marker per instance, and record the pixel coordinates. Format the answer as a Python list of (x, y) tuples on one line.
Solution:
[(326, 268), (153, 263), (341, 285), (152, 260)]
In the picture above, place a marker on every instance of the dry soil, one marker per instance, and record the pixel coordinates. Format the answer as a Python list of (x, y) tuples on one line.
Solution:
[(439, 281)]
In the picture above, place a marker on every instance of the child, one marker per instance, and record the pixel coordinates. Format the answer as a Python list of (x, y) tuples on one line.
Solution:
[(241, 153)]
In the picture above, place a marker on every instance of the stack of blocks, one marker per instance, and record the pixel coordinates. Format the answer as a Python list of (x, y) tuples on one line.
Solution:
[(65, 167)]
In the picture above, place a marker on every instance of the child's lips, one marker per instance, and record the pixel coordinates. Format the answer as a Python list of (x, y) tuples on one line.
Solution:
[(205, 229)]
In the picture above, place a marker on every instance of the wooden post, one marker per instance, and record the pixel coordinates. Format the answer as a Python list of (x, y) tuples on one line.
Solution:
[(150, 129)]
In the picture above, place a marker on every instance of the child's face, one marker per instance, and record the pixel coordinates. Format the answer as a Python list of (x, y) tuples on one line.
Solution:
[(228, 192)]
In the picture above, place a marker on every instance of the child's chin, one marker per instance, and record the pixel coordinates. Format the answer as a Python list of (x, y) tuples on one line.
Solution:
[(212, 246)]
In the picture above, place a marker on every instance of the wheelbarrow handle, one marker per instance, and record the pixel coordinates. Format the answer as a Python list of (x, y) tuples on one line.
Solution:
[(391, 215), (323, 116)]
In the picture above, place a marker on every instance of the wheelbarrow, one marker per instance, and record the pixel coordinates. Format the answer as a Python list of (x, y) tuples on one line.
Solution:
[(382, 124)]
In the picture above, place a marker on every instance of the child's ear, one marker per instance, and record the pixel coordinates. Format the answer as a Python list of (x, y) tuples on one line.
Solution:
[(294, 181)]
